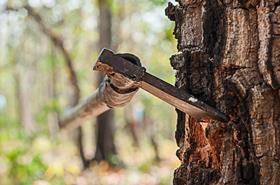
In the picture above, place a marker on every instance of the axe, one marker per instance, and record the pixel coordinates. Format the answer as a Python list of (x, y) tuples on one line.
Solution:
[(124, 76)]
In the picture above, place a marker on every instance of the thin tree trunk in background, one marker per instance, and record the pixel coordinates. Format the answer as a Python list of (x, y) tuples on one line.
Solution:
[(230, 59), (59, 45), (117, 20), (53, 119), (73, 79), (24, 114), (105, 145), (23, 99), (150, 129), (132, 124)]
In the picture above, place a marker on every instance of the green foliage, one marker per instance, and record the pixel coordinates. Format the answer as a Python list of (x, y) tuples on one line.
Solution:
[(169, 34), (159, 2), (114, 160), (25, 169), (165, 180), (23, 166), (22, 158), (25, 155), (51, 60), (52, 106), (145, 167)]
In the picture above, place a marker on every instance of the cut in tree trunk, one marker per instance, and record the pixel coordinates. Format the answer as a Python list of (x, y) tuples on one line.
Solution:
[(229, 57)]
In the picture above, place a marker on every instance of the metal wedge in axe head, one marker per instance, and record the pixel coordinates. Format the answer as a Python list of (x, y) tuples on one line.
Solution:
[(129, 66)]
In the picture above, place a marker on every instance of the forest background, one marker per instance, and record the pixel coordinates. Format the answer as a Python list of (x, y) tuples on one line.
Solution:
[(35, 91)]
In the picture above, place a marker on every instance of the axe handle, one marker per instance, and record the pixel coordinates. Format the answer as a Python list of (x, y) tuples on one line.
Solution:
[(93, 106), (112, 92)]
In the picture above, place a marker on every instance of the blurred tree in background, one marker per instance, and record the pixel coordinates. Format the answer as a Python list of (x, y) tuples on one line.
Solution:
[(105, 123), (38, 65)]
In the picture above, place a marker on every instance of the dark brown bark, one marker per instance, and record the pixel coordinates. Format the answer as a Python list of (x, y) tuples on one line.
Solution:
[(105, 142), (229, 57)]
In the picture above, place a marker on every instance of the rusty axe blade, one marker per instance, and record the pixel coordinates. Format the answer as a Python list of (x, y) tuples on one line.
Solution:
[(111, 64)]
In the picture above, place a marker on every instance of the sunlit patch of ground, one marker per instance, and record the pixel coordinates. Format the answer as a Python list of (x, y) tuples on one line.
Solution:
[(140, 168), (49, 161), (99, 175)]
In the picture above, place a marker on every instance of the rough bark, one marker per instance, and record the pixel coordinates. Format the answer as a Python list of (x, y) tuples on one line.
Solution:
[(229, 57), (105, 142)]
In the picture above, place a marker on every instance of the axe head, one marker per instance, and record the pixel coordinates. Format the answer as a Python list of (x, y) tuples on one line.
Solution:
[(128, 66)]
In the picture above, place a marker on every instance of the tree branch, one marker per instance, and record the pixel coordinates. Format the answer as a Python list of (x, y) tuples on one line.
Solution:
[(58, 43)]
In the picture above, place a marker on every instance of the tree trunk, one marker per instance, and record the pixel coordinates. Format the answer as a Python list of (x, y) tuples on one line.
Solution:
[(22, 86), (229, 57), (58, 43), (53, 119), (105, 145)]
